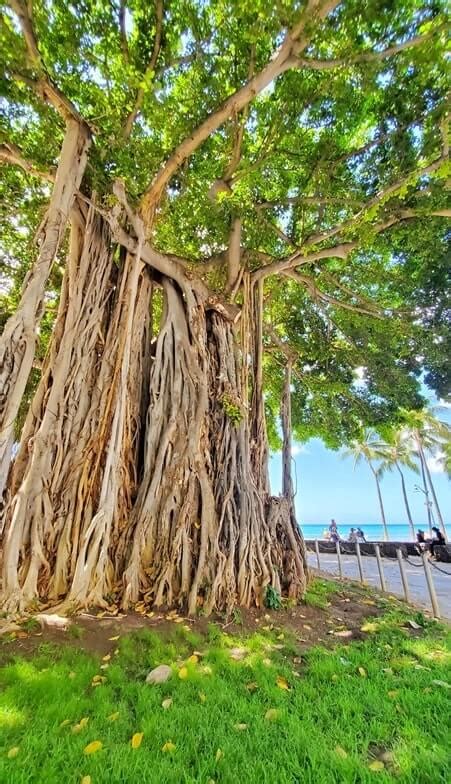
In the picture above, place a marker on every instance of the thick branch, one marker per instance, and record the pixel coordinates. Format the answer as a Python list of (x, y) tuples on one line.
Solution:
[(294, 43), (44, 86)]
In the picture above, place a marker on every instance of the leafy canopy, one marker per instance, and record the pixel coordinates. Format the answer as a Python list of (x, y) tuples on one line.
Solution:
[(334, 171)]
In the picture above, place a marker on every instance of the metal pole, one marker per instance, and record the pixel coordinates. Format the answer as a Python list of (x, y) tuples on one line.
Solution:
[(317, 554), (380, 567), (359, 560), (405, 584), (340, 570), (431, 586)]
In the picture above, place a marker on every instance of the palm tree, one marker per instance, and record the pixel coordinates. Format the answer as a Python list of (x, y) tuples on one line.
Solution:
[(370, 449), (398, 452), (429, 434)]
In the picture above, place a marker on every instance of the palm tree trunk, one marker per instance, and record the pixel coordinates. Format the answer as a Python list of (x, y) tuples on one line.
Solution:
[(381, 503), (426, 493), (432, 488), (406, 502)]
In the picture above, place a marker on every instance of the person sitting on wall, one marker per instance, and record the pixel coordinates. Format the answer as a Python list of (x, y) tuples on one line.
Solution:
[(360, 536), (333, 530), (352, 535), (437, 541), (421, 542)]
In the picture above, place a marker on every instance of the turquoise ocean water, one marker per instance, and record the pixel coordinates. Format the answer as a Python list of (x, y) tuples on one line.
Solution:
[(374, 532)]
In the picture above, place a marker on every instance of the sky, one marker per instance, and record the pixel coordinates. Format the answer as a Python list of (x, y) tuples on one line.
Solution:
[(329, 486)]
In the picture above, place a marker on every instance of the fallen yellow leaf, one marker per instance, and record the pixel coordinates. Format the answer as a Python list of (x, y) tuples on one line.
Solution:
[(341, 752), (113, 639), (362, 672), (282, 683), (98, 680), (113, 716), (202, 696), (72, 675), (166, 703), (252, 686), (240, 727), (369, 627), (80, 726), (183, 673), (219, 755), (280, 636), (206, 669), (86, 780), (272, 714), (106, 658), (92, 747), (193, 659), (393, 693), (168, 747), (13, 752), (377, 765), (137, 740), (65, 723)]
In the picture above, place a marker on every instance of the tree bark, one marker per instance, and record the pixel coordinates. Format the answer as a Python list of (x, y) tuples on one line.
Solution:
[(165, 507), (406, 502), (18, 341), (381, 503), (432, 488)]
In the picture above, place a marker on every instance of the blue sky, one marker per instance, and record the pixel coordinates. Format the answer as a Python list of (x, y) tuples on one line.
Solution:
[(328, 486)]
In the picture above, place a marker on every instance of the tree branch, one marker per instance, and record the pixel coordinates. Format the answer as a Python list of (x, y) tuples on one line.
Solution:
[(159, 9), (10, 153), (364, 57), (44, 86), (294, 43), (317, 293), (123, 31)]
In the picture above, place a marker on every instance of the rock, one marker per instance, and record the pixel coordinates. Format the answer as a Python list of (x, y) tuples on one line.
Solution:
[(237, 653), (159, 674), (49, 621)]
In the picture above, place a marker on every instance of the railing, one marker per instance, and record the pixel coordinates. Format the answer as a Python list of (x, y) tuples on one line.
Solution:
[(392, 551)]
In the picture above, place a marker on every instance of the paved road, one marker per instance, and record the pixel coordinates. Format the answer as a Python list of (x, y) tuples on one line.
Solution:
[(415, 577)]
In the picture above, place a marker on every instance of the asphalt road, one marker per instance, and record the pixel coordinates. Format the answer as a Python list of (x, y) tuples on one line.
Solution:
[(415, 577)]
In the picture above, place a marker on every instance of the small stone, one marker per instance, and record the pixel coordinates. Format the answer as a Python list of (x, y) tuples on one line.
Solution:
[(159, 674), (237, 653)]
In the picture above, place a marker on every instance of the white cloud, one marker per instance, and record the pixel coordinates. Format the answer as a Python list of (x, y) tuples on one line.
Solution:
[(299, 449), (435, 463)]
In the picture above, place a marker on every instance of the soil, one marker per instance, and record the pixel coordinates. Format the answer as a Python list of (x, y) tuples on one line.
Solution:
[(338, 623)]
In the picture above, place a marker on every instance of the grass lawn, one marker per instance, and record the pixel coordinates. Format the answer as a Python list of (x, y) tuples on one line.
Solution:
[(248, 706)]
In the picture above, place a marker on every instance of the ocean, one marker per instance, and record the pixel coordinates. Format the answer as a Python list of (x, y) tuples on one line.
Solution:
[(374, 532)]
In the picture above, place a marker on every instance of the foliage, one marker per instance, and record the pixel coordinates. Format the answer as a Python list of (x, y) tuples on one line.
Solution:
[(273, 600), (329, 155)]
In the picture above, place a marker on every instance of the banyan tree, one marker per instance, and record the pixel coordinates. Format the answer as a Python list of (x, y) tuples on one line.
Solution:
[(213, 213)]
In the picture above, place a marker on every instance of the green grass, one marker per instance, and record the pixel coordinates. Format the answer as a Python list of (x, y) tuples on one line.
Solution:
[(365, 713)]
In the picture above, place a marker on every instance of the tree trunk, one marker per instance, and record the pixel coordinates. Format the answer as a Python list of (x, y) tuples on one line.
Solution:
[(113, 501), (18, 341), (288, 492), (406, 502), (432, 488), (428, 505), (202, 533), (75, 470), (381, 504)]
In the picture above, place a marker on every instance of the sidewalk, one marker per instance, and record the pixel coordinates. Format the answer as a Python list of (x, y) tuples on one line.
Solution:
[(415, 577)]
